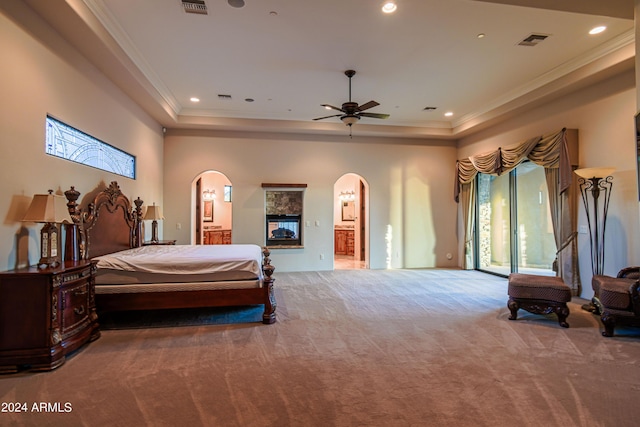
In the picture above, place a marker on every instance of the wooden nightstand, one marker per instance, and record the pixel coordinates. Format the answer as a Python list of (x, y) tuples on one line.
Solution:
[(46, 314), (159, 242)]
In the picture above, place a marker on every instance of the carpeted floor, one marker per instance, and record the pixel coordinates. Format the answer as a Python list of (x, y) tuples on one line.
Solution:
[(352, 348)]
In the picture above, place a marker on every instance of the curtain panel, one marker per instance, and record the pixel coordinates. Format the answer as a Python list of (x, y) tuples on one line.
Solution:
[(550, 152)]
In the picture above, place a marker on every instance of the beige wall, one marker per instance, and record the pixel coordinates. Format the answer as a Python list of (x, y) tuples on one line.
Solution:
[(42, 75), (409, 190), (604, 115)]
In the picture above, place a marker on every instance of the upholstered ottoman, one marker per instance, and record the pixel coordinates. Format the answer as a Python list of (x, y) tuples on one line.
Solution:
[(539, 295)]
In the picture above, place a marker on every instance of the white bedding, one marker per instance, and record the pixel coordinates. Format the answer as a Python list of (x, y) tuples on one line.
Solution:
[(180, 263)]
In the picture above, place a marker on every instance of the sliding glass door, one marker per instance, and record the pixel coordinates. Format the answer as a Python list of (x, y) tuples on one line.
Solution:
[(536, 244), (494, 236), (514, 230)]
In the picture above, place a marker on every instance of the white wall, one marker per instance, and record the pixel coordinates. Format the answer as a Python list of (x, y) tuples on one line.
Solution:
[(409, 189), (604, 116), (42, 74)]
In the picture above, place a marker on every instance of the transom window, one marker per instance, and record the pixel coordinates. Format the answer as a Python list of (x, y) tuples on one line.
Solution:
[(67, 142)]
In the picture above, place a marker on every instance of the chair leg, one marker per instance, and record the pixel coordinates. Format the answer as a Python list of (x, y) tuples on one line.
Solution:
[(609, 323), (562, 312), (513, 308)]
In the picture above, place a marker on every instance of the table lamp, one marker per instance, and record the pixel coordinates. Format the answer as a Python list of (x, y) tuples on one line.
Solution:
[(154, 213), (51, 210)]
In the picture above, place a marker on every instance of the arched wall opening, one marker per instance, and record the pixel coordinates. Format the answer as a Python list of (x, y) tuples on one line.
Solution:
[(211, 209), (351, 222)]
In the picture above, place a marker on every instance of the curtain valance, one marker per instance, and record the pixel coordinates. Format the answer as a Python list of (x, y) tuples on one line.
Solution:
[(549, 151)]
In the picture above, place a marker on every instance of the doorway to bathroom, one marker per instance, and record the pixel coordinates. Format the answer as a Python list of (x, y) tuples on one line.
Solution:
[(351, 222), (212, 210)]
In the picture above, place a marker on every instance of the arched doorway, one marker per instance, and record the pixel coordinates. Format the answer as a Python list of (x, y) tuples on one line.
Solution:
[(351, 222), (212, 209)]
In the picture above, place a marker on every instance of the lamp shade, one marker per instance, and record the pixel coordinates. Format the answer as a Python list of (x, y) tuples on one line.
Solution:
[(589, 173), (48, 208), (153, 212)]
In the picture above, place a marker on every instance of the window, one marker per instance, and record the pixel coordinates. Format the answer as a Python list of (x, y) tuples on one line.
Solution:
[(227, 193), (66, 142)]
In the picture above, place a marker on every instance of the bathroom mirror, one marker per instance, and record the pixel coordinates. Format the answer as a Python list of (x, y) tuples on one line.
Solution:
[(348, 211)]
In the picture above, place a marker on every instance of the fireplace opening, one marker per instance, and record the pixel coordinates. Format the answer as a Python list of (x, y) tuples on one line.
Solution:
[(283, 230)]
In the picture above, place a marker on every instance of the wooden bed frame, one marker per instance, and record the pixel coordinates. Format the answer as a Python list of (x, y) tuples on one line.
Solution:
[(110, 224)]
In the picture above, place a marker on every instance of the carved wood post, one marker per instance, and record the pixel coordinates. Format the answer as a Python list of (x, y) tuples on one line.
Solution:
[(137, 218), (269, 315), (72, 241)]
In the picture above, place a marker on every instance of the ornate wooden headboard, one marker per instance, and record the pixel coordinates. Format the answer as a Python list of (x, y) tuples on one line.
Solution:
[(108, 224)]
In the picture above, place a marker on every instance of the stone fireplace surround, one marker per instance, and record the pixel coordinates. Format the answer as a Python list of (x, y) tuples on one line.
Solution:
[(284, 201)]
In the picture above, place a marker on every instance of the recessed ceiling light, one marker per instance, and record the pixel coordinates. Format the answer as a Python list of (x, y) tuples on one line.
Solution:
[(448, 114), (236, 3), (249, 99), (597, 30), (481, 35), (389, 7), (194, 99)]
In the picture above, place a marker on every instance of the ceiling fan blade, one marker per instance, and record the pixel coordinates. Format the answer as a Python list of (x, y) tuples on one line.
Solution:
[(368, 105), (374, 115), (327, 117), (333, 108)]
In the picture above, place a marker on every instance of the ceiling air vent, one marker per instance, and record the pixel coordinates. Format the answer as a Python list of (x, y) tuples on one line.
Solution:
[(224, 97), (195, 6), (533, 40)]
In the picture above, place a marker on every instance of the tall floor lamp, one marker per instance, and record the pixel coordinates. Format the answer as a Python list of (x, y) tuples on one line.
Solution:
[(598, 183)]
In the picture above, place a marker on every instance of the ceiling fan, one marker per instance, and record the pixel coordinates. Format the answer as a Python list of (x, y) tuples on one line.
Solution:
[(351, 112)]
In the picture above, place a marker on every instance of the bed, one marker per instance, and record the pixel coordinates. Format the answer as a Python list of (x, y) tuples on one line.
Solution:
[(133, 276)]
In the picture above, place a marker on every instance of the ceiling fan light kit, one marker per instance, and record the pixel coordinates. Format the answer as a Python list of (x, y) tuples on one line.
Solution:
[(351, 112), (349, 119)]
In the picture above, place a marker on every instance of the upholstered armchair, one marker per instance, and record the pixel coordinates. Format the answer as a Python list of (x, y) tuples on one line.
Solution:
[(617, 299)]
